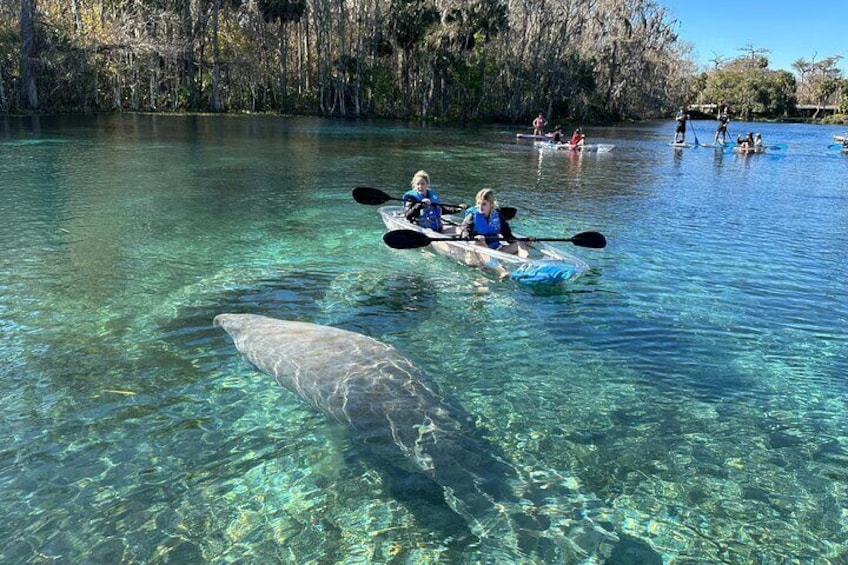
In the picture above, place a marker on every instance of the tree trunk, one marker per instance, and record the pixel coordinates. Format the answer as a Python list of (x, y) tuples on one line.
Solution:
[(216, 65), (188, 74), (283, 53), (29, 56)]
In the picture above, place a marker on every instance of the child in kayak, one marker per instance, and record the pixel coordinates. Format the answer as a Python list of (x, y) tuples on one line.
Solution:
[(421, 204), (488, 227)]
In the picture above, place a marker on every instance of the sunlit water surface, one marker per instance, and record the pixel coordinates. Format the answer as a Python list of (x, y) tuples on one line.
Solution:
[(694, 381)]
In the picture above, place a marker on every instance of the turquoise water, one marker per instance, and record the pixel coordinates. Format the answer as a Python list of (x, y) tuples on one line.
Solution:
[(691, 387)]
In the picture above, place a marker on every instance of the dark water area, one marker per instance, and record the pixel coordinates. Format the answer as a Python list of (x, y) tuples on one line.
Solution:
[(690, 390)]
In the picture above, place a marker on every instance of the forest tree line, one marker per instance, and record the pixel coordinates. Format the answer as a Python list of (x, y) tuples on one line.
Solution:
[(431, 59)]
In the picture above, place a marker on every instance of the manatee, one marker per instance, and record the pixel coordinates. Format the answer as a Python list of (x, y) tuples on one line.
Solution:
[(392, 409)]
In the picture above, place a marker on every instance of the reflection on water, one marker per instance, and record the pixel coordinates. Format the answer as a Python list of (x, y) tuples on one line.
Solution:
[(690, 388)]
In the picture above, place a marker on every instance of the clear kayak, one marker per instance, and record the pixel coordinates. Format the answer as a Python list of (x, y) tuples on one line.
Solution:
[(756, 149), (546, 265), (589, 147)]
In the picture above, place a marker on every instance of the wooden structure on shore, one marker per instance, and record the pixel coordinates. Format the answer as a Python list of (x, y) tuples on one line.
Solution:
[(805, 111)]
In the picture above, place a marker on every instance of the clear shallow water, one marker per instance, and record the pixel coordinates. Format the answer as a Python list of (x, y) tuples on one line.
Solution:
[(693, 382)]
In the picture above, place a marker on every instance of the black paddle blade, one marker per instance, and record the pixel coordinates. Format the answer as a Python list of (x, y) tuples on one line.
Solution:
[(593, 239), (372, 196), (508, 212), (406, 239)]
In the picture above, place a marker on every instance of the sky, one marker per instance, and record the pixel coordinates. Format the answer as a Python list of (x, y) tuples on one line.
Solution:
[(790, 30)]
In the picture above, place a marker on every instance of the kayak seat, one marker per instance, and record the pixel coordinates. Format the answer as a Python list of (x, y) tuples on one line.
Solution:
[(541, 272)]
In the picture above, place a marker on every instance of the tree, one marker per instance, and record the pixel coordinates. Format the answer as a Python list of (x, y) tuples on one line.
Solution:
[(749, 87), (29, 56), (819, 81), (216, 58), (282, 12)]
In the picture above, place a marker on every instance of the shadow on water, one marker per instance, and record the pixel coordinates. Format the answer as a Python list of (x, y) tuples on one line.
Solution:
[(364, 304)]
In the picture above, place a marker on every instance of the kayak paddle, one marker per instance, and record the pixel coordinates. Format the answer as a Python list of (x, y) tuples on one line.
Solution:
[(411, 239), (375, 197)]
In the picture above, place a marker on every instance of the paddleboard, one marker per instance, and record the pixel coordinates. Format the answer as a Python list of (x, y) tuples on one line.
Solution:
[(533, 136)]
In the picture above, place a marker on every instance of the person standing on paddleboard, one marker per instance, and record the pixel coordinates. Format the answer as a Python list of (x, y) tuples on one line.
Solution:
[(721, 130), (539, 124), (680, 131)]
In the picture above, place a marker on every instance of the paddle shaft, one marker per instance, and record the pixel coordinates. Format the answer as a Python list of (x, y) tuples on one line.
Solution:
[(411, 239), (571, 239), (694, 134), (405, 200), (375, 197)]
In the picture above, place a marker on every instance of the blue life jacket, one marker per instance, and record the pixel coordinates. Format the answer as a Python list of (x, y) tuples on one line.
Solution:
[(487, 226), (431, 216)]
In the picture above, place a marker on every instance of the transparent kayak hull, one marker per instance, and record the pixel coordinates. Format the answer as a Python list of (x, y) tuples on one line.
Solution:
[(589, 147)]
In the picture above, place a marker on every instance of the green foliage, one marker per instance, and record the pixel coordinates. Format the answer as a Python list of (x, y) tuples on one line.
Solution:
[(749, 88)]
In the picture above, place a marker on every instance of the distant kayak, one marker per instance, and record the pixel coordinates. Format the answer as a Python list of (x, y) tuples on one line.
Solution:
[(589, 147), (749, 150), (757, 149)]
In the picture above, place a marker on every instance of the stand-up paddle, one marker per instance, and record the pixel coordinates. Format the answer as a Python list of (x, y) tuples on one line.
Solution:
[(375, 197), (411, 239), (692, 125)]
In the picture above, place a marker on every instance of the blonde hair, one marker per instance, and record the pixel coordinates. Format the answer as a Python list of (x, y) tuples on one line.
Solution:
[(486, 194), (422, 174)]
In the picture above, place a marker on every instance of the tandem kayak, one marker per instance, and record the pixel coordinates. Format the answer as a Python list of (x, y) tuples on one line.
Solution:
[(749, 150), (757, 149), (546, 265), (589, 147)]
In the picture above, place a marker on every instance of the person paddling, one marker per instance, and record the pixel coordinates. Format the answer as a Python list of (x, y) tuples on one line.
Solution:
[(578, 139), (721, 129), (421, 203), (539, 124), (680, 130), (559, 137), (745, 142), (489, 228)]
